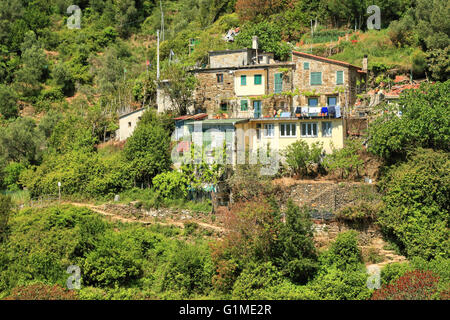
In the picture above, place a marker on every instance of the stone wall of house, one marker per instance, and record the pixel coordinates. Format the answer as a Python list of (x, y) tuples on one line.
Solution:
[(328, 87), (209, 93), (229, 59)]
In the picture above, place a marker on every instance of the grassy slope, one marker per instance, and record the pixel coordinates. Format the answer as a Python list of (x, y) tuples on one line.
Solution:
[(380, 50)]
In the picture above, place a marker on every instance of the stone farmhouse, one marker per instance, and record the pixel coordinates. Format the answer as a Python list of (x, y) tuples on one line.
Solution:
[(253, 101)]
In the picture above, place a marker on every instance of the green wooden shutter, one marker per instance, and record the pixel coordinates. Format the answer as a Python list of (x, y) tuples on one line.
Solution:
[(305, 65), (243, 80), (257, 78), (244, 105), (316, 78), (278, 82), (339, 77)]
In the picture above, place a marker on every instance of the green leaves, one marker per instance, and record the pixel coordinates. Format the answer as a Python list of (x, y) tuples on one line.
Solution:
[(148, 149), (416, 199), (345, 160), (300, 156), (269, 39), (424, 122)]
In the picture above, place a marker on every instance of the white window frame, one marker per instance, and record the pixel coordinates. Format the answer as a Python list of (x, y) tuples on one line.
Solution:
[(343, 78), (265, 130), (330, 129), (309, 124), (290, 124)]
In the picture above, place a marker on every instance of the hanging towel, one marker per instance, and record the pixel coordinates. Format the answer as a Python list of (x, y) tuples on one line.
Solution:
[(338, 111)]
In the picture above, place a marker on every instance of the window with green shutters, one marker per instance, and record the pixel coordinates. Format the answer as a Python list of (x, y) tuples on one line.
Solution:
[(339, 77), (278, 83), (316, 78), (305, 65), (243, 80), (244, 105), (258, 78)]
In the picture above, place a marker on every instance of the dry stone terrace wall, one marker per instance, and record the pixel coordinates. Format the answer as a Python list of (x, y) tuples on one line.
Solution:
[(325, 198)]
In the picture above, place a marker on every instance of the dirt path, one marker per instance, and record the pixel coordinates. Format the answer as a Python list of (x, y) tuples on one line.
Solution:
[(389, 255), (146, 221)]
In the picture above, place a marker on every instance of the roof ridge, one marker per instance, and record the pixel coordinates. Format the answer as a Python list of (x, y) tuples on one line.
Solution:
[(326, 59)]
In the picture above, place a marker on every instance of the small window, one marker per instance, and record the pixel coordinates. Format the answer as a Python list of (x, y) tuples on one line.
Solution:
[(326, 129), (288, 130), (313, 102), (243, 80), (269, 130), (316, 78), (258, 79), (339, 77), (305, 65), (309, 130), (258, 131), (244, 105), (224, 106), (220, 78), (331, 101), (129, 124)]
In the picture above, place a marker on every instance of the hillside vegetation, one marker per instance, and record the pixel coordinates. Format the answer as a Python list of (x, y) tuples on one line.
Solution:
[(62, 90)]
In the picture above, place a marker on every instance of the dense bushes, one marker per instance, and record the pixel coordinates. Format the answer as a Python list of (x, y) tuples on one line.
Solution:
[(88, 174), (148, 149), (302, 158), (5, 211), (346, 160), (40, 291), (116, 261), (413, 285), (424, 122), (342, 274), (171, 185), (258, 236), (416, 204)]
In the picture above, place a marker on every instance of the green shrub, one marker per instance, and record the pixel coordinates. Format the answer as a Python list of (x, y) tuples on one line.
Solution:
[(5, 211), (188, 270), (344, 252), (423, 123), (393, 271), (345, 160), (11, 175), (114, 261), (170, 185), (253, 282), (338, 284), (416, 204), (301, 157)]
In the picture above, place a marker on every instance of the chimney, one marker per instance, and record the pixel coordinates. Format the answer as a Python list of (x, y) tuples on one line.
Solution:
[(365, 63), (255, 42)]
